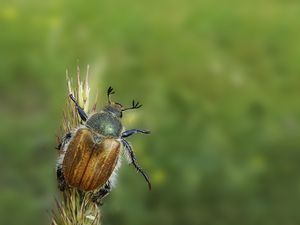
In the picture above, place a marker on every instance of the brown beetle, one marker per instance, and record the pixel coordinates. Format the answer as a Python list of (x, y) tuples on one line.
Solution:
[(91, 154)]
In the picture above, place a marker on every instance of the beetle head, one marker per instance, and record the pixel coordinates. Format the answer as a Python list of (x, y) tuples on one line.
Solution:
[(116, 108)]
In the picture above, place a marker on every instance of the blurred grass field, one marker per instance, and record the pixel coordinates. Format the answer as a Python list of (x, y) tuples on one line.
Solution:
[(219, 82)]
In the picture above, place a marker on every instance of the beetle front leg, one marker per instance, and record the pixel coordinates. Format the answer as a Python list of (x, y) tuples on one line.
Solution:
[(101, 194), (128, 133), (134, 162), (80, 110)]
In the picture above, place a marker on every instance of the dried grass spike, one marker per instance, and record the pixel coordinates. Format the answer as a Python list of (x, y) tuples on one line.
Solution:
[(75, 207)]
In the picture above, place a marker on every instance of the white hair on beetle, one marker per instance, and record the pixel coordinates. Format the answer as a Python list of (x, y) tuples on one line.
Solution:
[(113, 176)]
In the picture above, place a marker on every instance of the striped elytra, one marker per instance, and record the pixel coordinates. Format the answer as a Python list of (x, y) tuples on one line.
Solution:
[(88, 165)]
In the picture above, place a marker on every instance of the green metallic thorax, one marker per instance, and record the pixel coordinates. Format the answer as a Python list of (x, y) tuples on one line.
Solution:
[(106, 124)]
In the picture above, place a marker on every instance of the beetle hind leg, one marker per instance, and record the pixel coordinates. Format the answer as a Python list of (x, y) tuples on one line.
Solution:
[(101, 194), (133, 160)]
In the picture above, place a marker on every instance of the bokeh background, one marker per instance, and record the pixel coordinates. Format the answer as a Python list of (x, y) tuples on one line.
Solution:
[(220, 85)]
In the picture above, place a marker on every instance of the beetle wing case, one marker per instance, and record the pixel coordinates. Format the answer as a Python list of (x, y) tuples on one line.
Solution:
[(88, 165)]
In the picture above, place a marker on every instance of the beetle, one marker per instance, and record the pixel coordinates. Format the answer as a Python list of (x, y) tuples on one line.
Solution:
[(90, 154)]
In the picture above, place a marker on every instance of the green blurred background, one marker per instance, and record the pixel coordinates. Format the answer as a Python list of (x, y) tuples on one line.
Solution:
[(219, 81)]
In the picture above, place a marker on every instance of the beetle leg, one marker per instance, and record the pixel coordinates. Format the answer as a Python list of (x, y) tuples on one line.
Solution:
[(59, 173), (128, 133), (62, 185), (101, 194), (134, 161), (80, 110)]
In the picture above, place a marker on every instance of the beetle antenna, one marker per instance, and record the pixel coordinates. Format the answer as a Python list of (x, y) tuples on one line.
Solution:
[(135, 105), (110, 91)]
